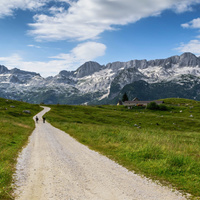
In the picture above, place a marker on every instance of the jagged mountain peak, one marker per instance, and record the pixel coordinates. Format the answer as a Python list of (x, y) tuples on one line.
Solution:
[(188, 54), (3, 69), (87, 69), (66, 73), (19, 71), (164, 62), (189, 59), (94, 82)]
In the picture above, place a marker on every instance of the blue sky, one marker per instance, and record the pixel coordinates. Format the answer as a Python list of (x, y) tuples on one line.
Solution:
[(47, 36)]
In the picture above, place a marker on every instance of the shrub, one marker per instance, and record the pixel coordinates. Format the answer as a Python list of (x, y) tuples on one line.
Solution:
[(163, 107), (153, 106)]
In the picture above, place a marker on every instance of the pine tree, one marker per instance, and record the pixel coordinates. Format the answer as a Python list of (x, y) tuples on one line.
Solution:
[(124, 97)]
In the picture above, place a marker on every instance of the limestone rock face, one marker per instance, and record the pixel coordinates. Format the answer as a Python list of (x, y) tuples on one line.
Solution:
[(176, 76), (87, 69)]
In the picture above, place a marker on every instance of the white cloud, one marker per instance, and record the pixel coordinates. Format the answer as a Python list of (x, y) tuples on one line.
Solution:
[(87, 19), (7, 7), (35, 46), (89, 50), (193, 46), (82, 53), (15, 59), (184, 6), (54, 10), (195, 23), (71, 61)]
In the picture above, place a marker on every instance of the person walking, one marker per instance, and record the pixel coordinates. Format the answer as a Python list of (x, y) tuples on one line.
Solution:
[(36, 119), (44, 119)]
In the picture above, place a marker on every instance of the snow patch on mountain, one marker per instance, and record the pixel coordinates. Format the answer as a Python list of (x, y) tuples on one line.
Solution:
[(93, 81)]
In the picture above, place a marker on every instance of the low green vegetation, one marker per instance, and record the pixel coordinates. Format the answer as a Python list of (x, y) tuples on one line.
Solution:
[(162, 144), (154, 106), (16, 124)]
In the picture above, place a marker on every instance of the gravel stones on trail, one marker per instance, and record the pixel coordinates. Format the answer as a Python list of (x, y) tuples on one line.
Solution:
[(55, 166)]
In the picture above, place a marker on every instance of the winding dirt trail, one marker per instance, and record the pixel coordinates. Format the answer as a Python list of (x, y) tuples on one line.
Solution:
[(55, 166)]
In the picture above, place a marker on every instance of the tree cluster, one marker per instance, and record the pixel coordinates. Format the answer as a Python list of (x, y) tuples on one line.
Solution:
[(155, 106)]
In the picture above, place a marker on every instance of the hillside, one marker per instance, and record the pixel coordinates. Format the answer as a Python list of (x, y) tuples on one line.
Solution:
[(15, 127), (162, 145)]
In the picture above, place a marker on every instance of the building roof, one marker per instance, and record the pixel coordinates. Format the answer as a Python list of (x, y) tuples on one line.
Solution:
[(135, 99), (129, 103)]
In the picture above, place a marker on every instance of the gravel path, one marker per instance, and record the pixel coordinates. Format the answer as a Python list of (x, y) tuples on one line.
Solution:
[(55, 166)]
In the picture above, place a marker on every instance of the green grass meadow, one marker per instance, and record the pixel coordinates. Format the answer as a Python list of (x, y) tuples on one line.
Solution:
[(162, 145), (15, 128)]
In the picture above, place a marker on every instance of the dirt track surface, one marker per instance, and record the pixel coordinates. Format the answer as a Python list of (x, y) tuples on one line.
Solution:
[(55, 166)]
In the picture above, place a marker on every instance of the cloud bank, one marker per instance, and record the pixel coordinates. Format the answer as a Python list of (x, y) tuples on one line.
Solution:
[(82, 20), (77, 56), (87, 19)]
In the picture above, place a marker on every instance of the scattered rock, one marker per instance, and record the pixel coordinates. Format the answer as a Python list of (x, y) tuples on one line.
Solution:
[(191, 115), (27, 111), (12, 106)]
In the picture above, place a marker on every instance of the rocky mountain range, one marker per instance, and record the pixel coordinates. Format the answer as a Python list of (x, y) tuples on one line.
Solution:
[(92, 83)]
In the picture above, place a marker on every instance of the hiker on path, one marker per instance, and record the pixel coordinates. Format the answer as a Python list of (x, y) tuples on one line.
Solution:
[(44, 119), (36, 119)]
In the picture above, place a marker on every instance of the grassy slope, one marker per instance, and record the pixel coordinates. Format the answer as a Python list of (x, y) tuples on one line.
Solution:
[(166, 147), (15, 127)]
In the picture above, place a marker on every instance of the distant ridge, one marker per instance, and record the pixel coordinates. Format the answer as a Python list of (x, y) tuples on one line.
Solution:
[(92, 83)]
